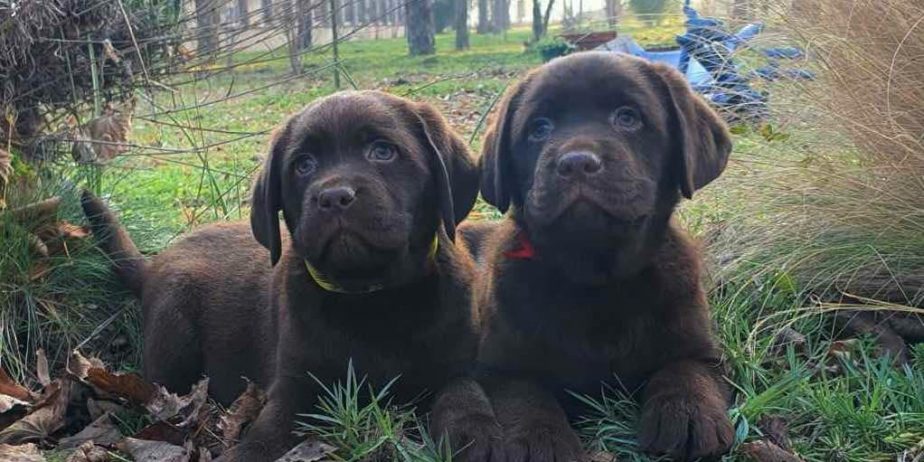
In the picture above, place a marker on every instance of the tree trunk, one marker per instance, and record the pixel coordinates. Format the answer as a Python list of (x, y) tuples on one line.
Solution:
[(501, 19), (350, 12), (461, 24), (548, 15), (420, 28), (303, 20), (360, 11), (521, 11), (483, 19), (208, 18), (243, 13), (613, 11), (322, 11), (267, 8), (540, 22)]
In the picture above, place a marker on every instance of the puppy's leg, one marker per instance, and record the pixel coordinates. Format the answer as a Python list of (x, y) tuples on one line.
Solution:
[(536, 428), (463, 414), (172, 353), (684, 412)]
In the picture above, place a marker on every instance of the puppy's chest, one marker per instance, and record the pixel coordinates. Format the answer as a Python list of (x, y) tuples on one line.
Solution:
[(592, 334), (392, 338)]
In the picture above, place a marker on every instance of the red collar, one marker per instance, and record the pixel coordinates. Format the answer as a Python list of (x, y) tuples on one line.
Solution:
[(524, 249)]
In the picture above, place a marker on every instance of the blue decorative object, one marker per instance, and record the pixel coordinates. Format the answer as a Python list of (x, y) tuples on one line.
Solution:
[(704, 56)]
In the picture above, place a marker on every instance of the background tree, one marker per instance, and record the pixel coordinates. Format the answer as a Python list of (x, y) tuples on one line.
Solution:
[(303, 22), (461, 24), (266, 6), (501, 18), (484, 18), (419, 28), (443, 13), (613, 11), (651, 11), (208, 19), (540, 21), (242, 13)]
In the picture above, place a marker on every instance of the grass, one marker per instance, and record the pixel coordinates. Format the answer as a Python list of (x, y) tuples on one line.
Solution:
[(841, 400)]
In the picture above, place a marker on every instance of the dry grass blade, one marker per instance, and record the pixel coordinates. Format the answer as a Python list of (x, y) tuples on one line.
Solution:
[(41, 368), (6, 168), (842, 209)]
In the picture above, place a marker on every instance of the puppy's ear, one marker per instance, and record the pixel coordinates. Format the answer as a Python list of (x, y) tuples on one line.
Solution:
[(497, 181), (450, 160), (266, 199), (705, 143)]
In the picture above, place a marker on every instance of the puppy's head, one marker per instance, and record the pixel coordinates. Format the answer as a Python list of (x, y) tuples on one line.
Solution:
[(363, 179), (598, 145)]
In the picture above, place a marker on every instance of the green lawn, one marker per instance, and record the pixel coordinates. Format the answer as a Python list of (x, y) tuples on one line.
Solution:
[(846, 405)]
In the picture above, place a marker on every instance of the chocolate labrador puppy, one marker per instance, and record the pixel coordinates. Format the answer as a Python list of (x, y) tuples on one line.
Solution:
[(589, 280), (370, 187)]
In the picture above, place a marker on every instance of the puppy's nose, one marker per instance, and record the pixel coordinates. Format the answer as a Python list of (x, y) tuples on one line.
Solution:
[(336, 199), (583, 163)]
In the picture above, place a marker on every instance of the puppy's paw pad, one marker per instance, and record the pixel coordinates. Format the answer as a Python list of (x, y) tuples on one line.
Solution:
[(685, 428), (544, 444)]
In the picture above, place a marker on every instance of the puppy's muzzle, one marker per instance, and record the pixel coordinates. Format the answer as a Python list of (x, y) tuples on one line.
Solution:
[(578, 165)]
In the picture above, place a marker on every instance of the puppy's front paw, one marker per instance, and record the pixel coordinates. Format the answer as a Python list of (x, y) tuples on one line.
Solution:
[(685, 428), (476, 438), (541, 443)]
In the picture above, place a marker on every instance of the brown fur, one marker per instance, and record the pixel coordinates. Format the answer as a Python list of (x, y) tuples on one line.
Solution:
[(214, 305), (613, 293)]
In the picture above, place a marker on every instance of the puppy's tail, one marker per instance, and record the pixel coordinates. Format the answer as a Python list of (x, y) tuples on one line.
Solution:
[(127, 261)]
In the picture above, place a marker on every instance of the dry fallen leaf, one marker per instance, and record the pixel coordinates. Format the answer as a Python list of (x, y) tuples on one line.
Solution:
[(766, 451), (601, 456), (21, 453), (46, 417), (162, 431), (242, 411), (107, 135), (97, 408), (37, 213), (776, 430), (102, 431), (78, 365), (89, 452), (11, 388), (308, 451), (165, 405), (153, 451), (8, 403), (129, 386)]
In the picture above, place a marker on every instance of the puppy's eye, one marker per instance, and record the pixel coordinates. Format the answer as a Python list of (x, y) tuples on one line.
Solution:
[(305, 165), (381, 151), (540, 129), (627, 118)]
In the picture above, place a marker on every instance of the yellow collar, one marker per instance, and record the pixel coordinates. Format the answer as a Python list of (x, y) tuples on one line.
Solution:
[(331, 286)]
